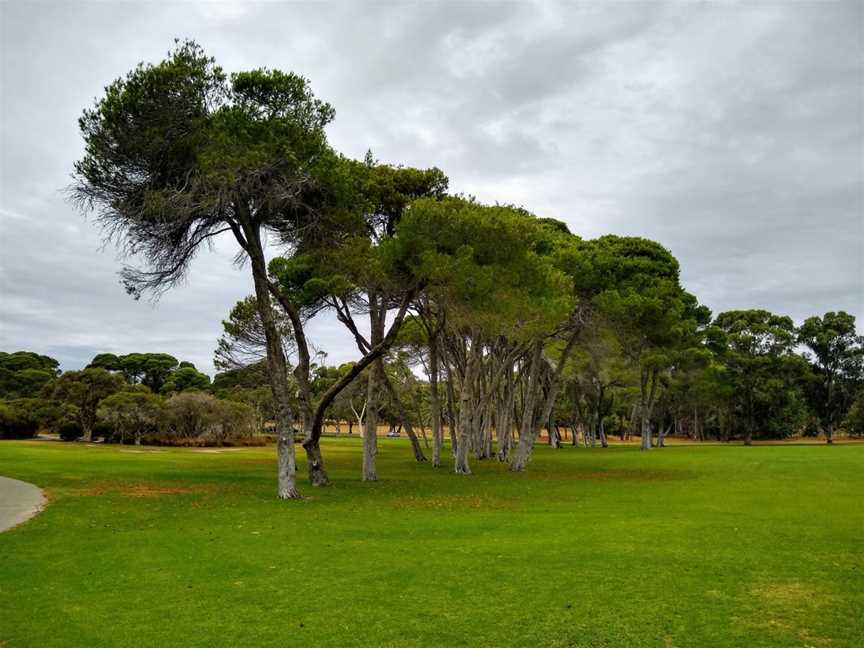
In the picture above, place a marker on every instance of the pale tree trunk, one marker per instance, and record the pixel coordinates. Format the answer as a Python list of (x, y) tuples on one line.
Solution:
[(370, 424), (529, 423), (648, 388), (661, 436), (504, 429), (277, 368), (435, 404), (527, 431), (451, 413), (466, 411), (604, 442)]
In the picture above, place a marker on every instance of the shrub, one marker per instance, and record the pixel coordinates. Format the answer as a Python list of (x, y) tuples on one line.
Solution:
[(196, 418), (17, 420), (131, 413), (854, 423)]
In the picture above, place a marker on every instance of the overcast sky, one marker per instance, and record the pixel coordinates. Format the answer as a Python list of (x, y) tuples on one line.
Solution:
[(733, 134)]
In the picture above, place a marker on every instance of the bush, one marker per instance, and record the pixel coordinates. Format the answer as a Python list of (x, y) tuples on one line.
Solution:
[(17, 420), (195, 418), (854, 423), (130, 413)]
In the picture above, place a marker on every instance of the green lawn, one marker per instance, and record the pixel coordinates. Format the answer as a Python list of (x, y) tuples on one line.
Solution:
[(684, 546)]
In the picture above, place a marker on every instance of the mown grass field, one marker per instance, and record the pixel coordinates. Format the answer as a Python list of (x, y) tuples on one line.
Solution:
[(685, 546)]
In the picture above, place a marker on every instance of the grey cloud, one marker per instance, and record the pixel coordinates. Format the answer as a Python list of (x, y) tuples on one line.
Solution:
[(732, 133)]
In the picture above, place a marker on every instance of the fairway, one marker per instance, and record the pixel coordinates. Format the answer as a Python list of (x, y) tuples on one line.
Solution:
[(684, 546)]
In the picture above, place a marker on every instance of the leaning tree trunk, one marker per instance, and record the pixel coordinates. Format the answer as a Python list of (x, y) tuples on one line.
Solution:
[(604, 442), (277, 369), (403, 416)]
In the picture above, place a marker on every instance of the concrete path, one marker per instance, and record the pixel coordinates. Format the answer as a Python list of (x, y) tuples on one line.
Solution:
[(19, 501)]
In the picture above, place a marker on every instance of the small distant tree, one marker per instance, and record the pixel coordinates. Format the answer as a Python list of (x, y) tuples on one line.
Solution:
[(85, 389), (837, 353), (131, 413)]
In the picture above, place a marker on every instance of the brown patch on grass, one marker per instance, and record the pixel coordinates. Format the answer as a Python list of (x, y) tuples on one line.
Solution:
[(136, 490), (216, 450)]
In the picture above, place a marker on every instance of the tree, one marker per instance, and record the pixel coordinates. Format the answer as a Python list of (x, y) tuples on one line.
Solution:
[(85, 389), (837, 354), (756, 350), (480, 265), (635, 286), (24, 374), (178, 153), (359, 277), (184, 378), (131, 413)]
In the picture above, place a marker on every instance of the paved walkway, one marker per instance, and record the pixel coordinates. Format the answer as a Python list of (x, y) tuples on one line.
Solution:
[(19, 501)]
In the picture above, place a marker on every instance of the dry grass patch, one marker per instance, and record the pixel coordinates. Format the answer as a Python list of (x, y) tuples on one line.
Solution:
[(137, 490)]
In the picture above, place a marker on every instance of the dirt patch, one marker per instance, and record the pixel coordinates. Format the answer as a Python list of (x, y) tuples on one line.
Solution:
[(216, 450), (137, 490)]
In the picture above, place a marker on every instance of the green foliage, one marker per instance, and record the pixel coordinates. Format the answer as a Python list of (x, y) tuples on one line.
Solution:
[(184, 378), (17, 420), (84, 390), (131, 413), (854, 422), (172, 147), (197, 418), (480, 261), (838, 358), (755, 348), (25, 374)]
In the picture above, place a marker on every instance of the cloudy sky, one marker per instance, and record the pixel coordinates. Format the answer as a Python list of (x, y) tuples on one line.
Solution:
[(731, 133)]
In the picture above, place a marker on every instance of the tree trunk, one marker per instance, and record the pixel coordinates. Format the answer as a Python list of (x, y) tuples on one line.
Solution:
[(604, 442), (435, 404), (527, 431), (504, 423), (829, 433), (648, 387), (403, 416), (276, 365), (451, 413), (370, 424), (466, 411)]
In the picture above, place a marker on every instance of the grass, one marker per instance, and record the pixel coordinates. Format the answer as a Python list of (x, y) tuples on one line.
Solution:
[(684, 546)]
